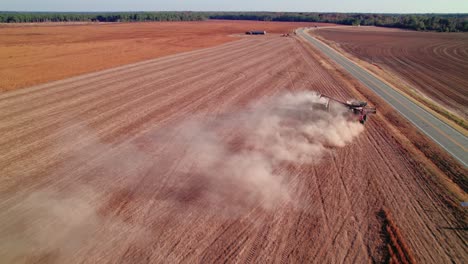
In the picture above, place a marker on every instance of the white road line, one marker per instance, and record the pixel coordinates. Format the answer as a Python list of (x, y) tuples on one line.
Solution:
[(454, 142)]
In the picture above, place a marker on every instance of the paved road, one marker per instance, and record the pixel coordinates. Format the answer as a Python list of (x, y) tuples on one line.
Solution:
[(450, 139)]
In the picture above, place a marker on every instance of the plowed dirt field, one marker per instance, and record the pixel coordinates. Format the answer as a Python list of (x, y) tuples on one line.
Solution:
[(104, 168), (433, 63), (37, 53)]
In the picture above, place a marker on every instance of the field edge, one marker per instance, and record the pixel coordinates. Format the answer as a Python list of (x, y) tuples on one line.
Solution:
[(439, 164), (449, 117)]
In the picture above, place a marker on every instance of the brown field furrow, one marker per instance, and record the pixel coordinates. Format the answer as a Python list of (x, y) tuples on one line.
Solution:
[(215, 89), (112, 79), (178, 109), (69, 50), (433, 63), (162, 65), (138, 96), (111, 163), (370, 156), (410, 204)]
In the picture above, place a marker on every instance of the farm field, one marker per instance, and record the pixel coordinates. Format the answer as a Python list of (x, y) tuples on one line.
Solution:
[(435, 64), (37, 53), (177, 159)]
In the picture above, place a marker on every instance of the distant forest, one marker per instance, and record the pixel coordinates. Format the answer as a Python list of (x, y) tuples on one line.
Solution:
[(428, 22)]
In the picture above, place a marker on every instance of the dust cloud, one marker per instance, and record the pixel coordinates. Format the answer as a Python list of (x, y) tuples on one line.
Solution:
[(54, 227), (233, 162), (239, 156)]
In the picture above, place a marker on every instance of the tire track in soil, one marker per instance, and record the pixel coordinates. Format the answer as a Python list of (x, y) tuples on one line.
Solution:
[(88, 78), (128, 83), (409, 202), (25, 146), (433, 63), (338, 196)]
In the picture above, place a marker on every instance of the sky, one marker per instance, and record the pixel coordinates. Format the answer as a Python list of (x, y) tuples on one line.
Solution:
[(361, 6)]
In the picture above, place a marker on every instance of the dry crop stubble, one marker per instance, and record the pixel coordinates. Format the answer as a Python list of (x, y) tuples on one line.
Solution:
[(430, 65), (124, 114), (39, 53), (231, 172)]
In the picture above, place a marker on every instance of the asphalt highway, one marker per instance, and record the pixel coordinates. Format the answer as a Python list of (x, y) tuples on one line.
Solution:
[(447, 137)]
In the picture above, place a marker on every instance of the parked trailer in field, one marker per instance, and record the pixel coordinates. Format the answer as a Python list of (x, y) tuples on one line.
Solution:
[(256, 32)]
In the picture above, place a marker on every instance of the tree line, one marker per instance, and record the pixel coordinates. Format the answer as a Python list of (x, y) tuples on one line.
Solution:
[(37, 17), (429, 22), (421, 22)]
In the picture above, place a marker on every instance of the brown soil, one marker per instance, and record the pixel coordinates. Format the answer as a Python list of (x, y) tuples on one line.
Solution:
[(37, 53), (398, 250), (85, 178), (433, 63)]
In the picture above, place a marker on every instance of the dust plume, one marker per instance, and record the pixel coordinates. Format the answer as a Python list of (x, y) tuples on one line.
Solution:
[(54, 227), (63, 218), (239, 156), (103, 192)]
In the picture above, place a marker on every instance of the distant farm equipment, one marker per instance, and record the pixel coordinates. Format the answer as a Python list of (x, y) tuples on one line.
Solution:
[(256, 32), (356, 107)]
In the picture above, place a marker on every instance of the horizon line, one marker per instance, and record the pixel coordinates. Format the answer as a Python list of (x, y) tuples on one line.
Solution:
[(323, 12)]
